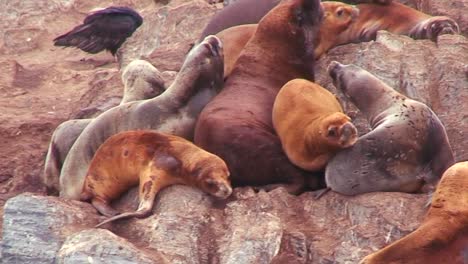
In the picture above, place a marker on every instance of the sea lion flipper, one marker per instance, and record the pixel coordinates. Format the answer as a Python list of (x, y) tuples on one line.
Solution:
[(138, 214), (103, 207)]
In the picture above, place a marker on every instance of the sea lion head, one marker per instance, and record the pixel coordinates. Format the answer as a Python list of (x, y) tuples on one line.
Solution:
[(204, 64), (337, 19), (141, 81), (351, 79), (339, 131), (213, 177), (296, 21)]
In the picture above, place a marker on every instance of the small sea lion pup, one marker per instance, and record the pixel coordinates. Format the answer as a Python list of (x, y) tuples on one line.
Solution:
[(443, 234), (155, 161), (236, 125), (141, 81), (175, 111), (337, 18), (406, 148), (311, 124)]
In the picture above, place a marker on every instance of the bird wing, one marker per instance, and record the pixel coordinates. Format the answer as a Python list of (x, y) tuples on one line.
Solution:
[(104, 29)]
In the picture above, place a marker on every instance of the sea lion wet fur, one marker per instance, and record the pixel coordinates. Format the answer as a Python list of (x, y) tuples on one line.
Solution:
[(406, 149)]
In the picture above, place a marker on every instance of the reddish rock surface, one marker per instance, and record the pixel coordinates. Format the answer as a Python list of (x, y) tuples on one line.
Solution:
[(43, 85)]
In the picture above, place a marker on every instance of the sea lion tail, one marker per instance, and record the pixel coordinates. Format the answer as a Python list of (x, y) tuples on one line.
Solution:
[(442, 152), (137, 214)]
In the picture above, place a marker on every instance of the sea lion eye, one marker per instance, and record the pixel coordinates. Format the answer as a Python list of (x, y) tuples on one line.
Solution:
[(339, 12), (332, 132)]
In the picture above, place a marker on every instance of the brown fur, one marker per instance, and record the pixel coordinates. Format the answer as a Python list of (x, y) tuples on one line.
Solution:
[(337, 17), (311, 124), (396, 18), (407, 148), (443, 234), (236, 125), (155, 161), (350, 27), (243, 12)]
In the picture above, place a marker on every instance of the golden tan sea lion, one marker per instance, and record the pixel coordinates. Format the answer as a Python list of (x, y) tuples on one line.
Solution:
[(155, 161), (311, 124)]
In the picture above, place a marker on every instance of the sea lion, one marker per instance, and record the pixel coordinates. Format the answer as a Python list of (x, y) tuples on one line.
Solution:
[(342, 25), (442, 237), (337, 17), (406, 148), (243, 12), (141, 81), (175, 111), (155, 161), (236, 125), (311, 125), (105, 29)]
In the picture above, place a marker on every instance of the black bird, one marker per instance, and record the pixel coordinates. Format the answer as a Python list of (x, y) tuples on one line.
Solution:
[(104, 29)]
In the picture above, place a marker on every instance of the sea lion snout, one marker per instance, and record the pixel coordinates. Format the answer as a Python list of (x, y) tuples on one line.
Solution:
[(349, 135), (214, 44), (218, 187), (333, 68)]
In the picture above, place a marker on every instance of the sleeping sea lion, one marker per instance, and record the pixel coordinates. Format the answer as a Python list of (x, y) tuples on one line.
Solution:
[(141, 81), (175, 111), (407, 147), (311, 125), (155, 161), (343, 25)]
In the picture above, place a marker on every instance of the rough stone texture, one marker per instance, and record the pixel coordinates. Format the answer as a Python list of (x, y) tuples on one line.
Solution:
[(34, 227), (101, 246), (43, 85)]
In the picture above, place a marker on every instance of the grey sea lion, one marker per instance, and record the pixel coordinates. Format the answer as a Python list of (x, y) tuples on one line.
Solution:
[(175, 111)]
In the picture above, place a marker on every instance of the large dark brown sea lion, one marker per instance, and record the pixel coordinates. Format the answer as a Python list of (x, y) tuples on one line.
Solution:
[(311, 124), (236, 125), (155, 161), (406, 148), (141, 81), (337, 17), (175, 111), (443, 234), (342, 25)]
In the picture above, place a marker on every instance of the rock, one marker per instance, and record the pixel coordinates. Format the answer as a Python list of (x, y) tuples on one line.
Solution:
[(253, 233), (102, 246), (34, 227), (166, 25)]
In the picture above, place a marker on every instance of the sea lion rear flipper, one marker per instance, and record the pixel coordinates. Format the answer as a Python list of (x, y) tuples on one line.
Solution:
[(138, 214)]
